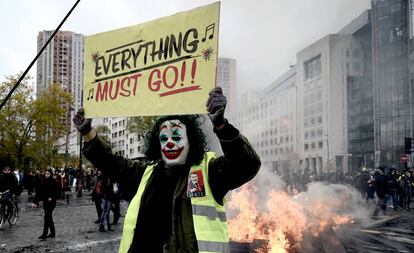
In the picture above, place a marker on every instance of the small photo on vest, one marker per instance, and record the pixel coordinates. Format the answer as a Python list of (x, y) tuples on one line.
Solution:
[(195, 186)]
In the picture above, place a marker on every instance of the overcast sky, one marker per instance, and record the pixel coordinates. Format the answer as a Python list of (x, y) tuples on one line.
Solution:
[(262, 35)]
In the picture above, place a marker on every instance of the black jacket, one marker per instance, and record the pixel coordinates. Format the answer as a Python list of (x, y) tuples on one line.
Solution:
[(8, 182), (165, 217), (48, 188)]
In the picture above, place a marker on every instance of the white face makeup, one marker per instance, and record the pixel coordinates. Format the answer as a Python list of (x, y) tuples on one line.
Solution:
[(174, 143)]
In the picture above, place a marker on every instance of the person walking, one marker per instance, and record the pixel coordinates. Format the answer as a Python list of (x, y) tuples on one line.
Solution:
[(406, 188), (49, 192), (393, 187), (107, 197), (97, 194), (382, 191)]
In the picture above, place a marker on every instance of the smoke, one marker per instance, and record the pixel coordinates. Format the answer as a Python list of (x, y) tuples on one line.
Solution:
[(265, 209)]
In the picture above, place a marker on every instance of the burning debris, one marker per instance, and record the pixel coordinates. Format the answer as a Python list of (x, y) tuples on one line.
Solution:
[(283, 222)]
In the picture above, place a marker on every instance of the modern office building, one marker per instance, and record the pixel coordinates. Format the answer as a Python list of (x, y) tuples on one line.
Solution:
[(322, 72), (360, 94), (268, 119), (393, 91)]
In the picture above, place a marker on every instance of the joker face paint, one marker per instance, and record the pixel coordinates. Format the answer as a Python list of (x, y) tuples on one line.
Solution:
[(174, 143)]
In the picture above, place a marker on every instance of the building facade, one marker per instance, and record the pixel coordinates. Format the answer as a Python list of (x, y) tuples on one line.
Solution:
[(322, 73), (360, 95), (393, 98), (268, 119)]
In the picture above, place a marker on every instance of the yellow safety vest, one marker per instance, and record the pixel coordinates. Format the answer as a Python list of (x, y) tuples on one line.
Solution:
[(209, 217)]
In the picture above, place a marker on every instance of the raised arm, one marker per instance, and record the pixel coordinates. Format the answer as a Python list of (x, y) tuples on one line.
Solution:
[(240, 162), (99, 153)]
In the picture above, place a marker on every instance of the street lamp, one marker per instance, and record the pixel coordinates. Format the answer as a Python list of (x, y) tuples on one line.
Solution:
[(67, 137)]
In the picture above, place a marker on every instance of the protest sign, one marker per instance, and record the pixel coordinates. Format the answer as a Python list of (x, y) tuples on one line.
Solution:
[(166, 66)]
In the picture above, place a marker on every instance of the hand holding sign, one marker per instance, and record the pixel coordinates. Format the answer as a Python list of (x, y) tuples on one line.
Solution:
[(83, 125), (216, 105)]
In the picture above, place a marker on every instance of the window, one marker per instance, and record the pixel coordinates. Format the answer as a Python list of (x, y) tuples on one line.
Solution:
[(312, 145), (319, 119), (320, 144), (313, 67), (306, 146)]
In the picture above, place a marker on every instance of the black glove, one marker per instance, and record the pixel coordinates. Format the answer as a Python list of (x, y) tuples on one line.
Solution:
[(216, 105), (83, 125)]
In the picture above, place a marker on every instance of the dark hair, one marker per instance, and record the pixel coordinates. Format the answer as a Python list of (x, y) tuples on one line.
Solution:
[(196, 139)]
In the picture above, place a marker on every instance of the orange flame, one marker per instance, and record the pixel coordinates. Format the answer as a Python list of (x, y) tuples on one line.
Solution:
[(283, 222)]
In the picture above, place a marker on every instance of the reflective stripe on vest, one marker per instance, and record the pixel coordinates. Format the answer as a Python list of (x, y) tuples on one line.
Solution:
[(207, 246), (210, 212), (209, 217)]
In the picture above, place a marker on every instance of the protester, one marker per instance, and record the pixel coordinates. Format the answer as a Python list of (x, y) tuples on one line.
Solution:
[(393, 187), (97, 194), (107, 197), (406, 189), (8, 182), (382, 191), (48, 192), (116, 209), (164, 216)]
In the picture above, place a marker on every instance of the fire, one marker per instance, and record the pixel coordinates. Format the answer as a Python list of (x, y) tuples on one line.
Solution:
[(283, 220)]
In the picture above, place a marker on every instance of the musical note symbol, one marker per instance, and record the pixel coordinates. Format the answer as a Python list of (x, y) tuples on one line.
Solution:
[(209, 28), (90, 95)]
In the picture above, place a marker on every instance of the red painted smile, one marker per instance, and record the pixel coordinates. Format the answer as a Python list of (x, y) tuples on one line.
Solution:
[(172, 154)]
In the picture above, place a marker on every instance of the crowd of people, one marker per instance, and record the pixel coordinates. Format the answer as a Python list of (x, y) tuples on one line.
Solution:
[(53, 184), (382, 186)]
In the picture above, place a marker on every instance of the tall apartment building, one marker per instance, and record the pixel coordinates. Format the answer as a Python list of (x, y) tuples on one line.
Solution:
[(62, 63), (393, 92), (360, 94), (226, 79)]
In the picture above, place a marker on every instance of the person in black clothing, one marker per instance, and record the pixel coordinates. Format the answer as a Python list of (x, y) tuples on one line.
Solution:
[(49, 192), (97, 194), (107, 197), (8, 181), (116, 209), (393, 187), (382, 191), (29, 182)]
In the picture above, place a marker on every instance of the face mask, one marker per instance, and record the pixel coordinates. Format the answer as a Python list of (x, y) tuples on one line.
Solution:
[(174, 143)]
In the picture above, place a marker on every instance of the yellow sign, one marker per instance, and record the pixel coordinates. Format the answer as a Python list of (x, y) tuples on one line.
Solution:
[(166, 66)]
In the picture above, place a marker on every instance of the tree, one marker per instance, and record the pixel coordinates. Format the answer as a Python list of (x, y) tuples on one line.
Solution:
[(140, 125), (16, 124), (50, 123)]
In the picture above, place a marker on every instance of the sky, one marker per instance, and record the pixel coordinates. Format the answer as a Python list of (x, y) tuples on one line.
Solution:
[(262, 35)]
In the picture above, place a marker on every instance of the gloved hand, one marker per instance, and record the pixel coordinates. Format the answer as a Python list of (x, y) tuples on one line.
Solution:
[(216, 105), (83, 125)]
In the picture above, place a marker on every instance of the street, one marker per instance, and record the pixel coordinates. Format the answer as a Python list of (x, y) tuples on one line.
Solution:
[(75, 229)]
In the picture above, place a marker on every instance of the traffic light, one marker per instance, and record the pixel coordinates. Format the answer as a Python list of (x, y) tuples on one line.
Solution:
[(409, 145)]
